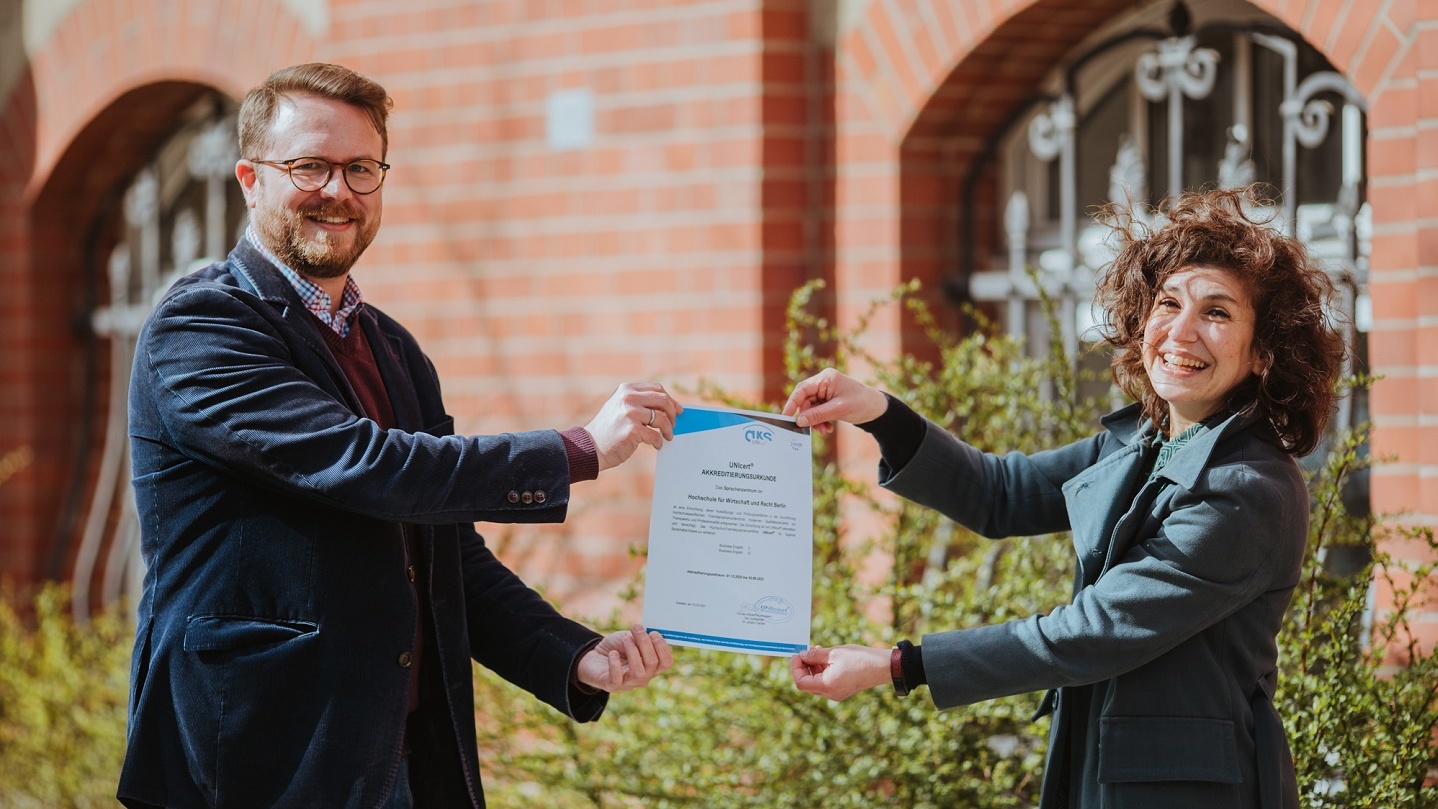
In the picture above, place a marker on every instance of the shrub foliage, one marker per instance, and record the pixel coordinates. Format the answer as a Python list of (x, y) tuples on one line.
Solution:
[(725, 730), (63, 690)]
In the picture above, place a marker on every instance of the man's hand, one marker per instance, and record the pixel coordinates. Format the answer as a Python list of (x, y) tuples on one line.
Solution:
[(840, 672), (637, 412), (626, 659)]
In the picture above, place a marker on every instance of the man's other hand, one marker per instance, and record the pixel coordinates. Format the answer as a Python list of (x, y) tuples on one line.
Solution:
[(626, 659)]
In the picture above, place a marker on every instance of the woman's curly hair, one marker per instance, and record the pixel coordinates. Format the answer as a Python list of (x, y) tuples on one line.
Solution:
[(1301, 348)]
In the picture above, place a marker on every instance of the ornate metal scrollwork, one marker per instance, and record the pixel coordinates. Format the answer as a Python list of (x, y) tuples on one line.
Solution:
[(1049, 131), (1310, 116), (1177, 67)]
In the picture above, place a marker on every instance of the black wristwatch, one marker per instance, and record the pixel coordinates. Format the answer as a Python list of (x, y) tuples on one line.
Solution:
[(896, 668)]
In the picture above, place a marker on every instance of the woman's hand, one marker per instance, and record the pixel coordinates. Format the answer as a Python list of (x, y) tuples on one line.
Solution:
[(830, 396), (840, 672)]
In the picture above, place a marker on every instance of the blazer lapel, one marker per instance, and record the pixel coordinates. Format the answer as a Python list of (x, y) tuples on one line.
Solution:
[(268, 284)]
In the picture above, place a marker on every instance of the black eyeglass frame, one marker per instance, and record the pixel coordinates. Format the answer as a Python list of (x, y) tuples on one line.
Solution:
[(288, 166)]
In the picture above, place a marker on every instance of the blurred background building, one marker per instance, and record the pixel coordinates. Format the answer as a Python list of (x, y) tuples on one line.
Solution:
[(587, 192)]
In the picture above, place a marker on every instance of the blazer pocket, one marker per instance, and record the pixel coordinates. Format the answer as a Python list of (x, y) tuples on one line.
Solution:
[(219, 633), (1167, 749)]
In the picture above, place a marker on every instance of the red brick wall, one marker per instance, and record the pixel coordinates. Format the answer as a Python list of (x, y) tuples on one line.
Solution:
[(540, 279), (1403, 167)]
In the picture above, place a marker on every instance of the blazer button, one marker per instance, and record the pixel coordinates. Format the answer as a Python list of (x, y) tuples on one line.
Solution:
[(405, 660), (411, 572), (527, 498), (540, 496), (514, 497)]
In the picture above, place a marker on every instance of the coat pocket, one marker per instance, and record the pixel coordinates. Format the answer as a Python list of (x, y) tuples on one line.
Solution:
[(223, 633), (1167, 749)]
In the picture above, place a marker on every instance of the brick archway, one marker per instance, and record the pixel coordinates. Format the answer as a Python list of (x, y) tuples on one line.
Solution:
[(96, 99), (922, 85), (105, 48), (898, 60)]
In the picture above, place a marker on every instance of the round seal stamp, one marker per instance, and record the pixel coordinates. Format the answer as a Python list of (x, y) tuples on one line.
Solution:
[(775, 610)]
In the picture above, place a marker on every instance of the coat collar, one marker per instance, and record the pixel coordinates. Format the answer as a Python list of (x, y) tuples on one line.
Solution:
[(263, 277), (259, 272), (1128, 426)]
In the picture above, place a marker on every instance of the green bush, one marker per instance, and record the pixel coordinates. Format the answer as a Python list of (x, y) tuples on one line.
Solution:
[(63, 691), (1359, 695), (724, 730)]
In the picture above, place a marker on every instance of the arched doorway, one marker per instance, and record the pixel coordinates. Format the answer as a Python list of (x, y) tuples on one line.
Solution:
[(168, 203), (1162, 100)]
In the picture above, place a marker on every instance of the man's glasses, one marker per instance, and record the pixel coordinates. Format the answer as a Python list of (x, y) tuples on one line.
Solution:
[(313, 173)]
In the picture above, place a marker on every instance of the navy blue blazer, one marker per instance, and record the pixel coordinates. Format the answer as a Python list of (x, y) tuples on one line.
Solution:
[(1165, 662), (276, 623)]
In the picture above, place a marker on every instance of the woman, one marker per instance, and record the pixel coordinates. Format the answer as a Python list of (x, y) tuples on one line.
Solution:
[(1188, 513)]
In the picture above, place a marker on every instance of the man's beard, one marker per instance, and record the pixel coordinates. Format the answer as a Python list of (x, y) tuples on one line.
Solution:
[(281, 230)]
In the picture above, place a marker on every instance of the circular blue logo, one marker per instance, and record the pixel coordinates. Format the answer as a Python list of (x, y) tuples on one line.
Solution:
[(775, 610)]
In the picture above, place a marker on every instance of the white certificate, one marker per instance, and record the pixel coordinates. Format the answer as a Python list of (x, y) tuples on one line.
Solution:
[(731, 534)]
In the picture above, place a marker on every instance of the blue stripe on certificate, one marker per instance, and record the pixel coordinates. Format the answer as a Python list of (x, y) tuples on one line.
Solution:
[(762, 647), (698, 419)]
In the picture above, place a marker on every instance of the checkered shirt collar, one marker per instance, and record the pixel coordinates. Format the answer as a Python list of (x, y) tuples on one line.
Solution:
[(316, 299)]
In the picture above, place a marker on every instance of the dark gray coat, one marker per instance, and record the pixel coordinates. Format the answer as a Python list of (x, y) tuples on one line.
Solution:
[(1179, 593)]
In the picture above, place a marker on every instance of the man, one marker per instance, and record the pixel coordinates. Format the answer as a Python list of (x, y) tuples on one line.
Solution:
[(315, 587)]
